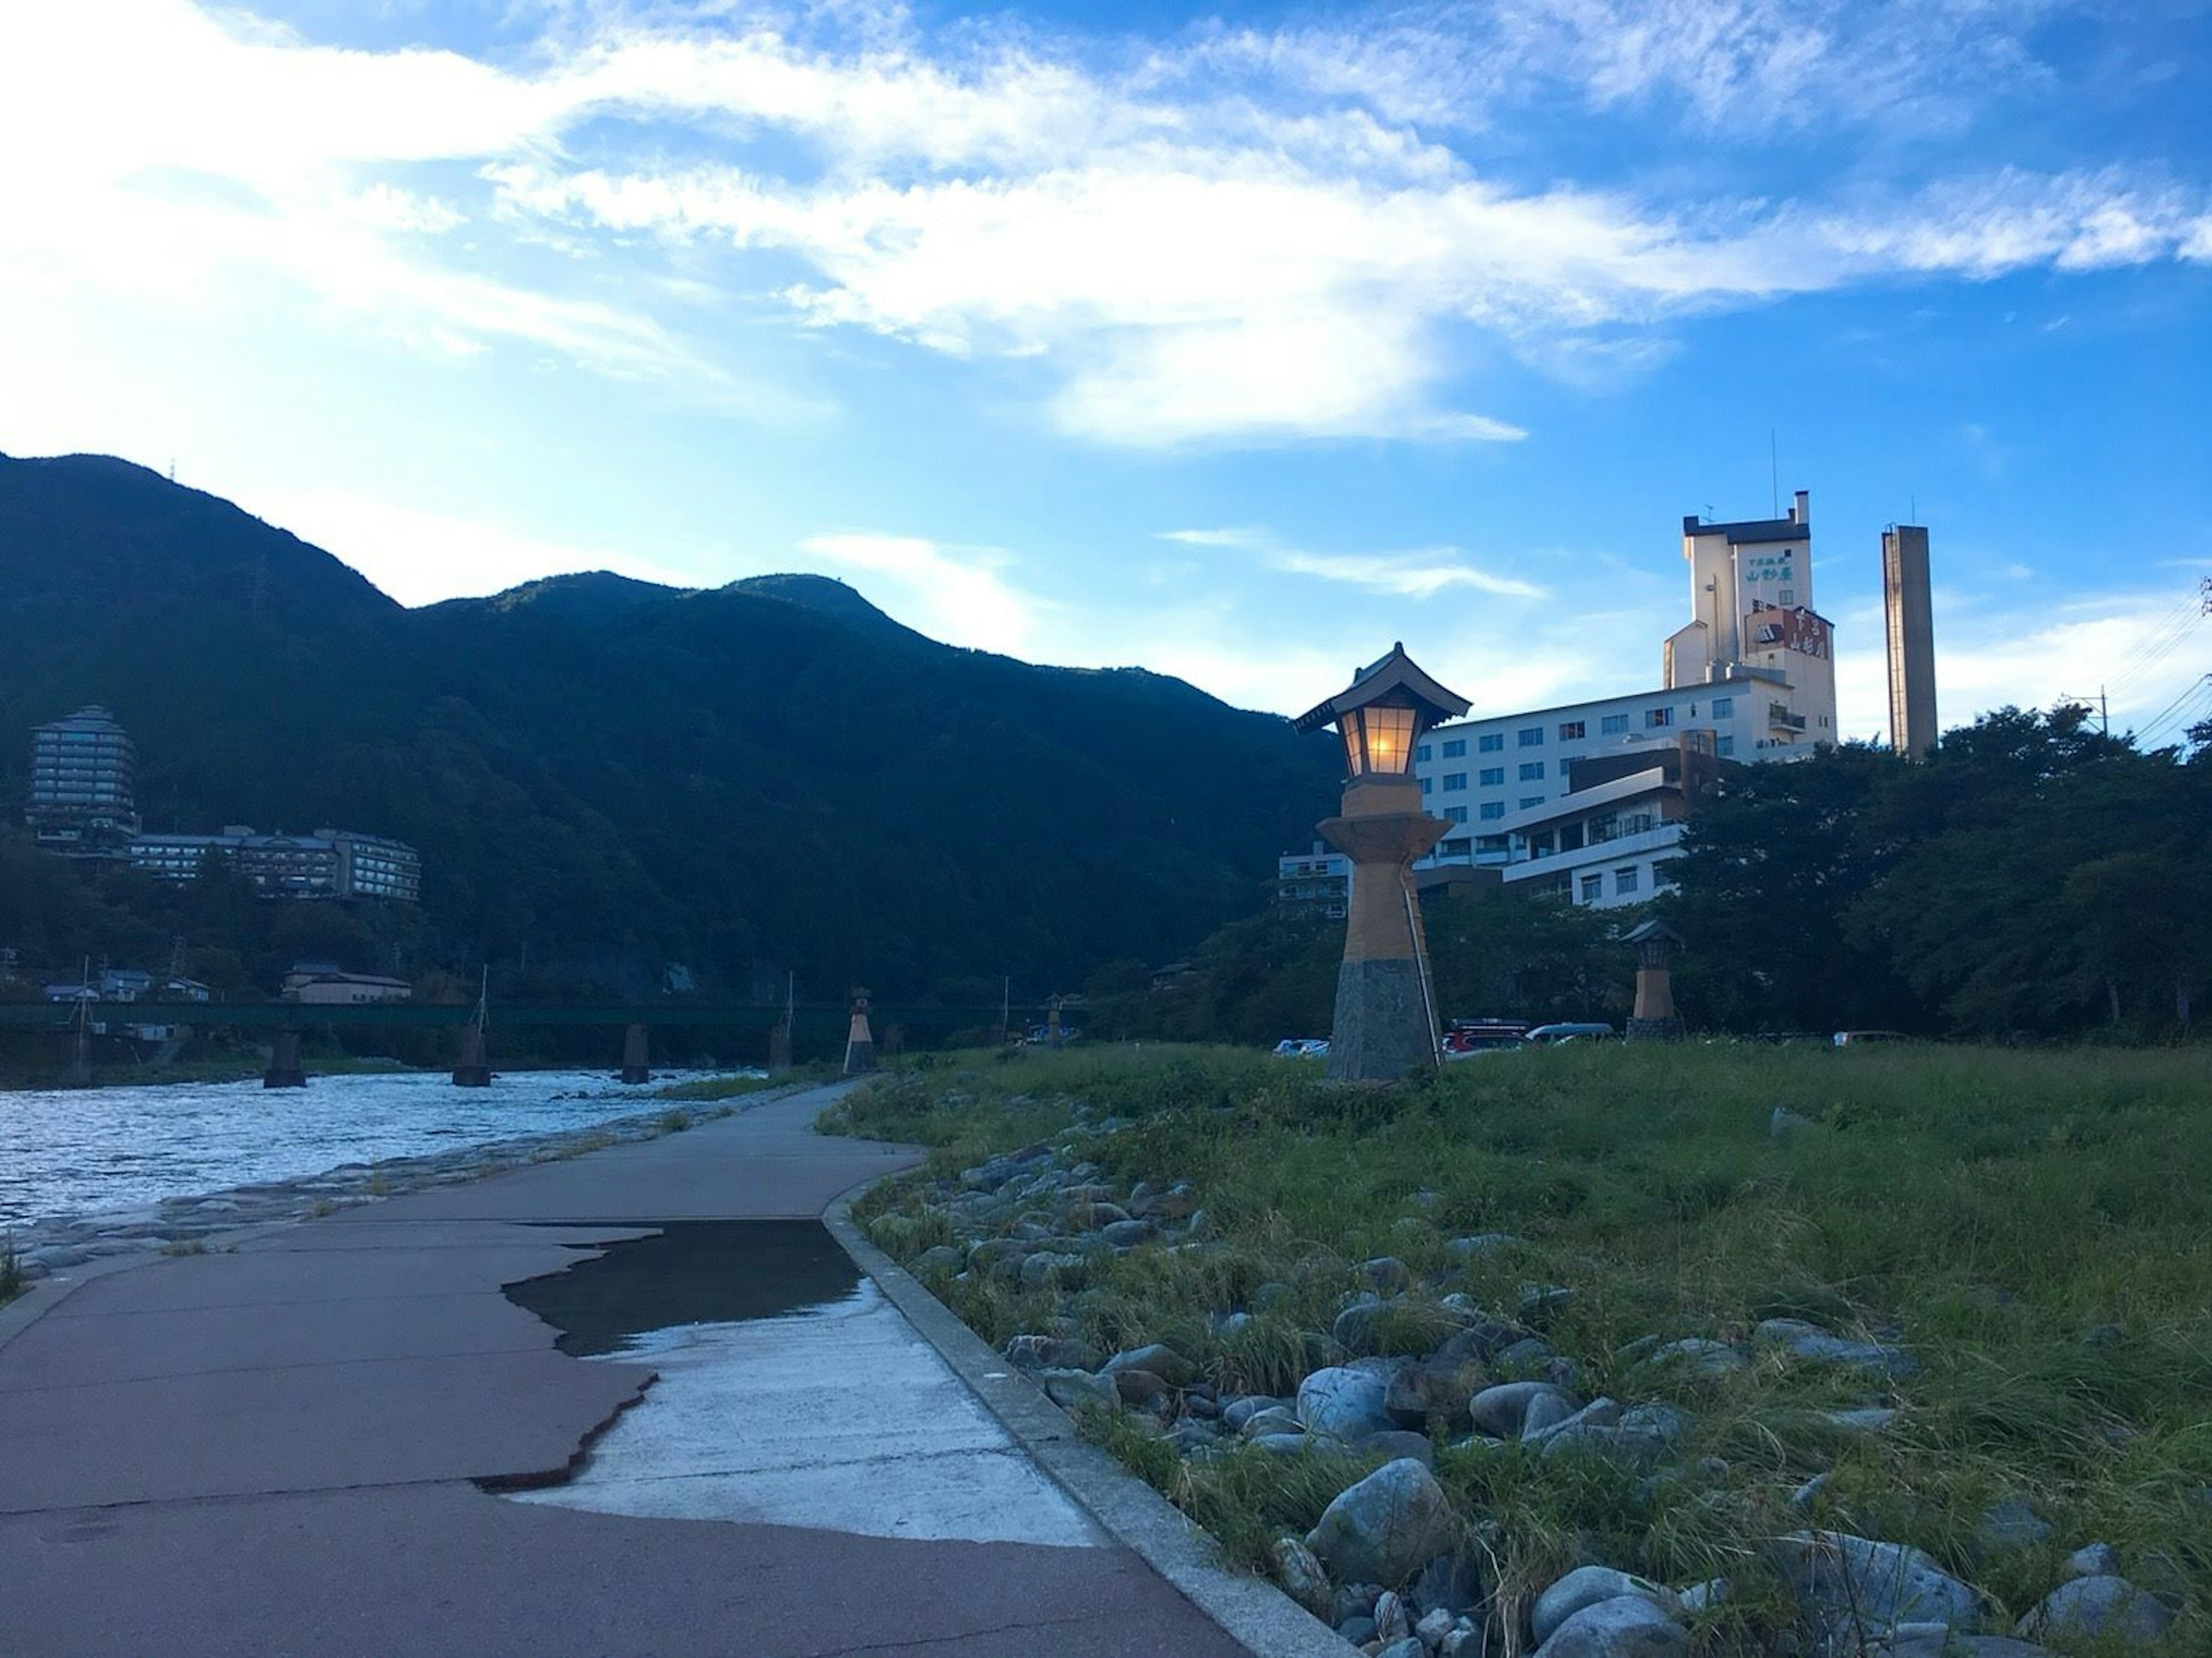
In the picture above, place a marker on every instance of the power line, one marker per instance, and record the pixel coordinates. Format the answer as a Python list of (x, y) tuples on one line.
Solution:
[(2179, 713)]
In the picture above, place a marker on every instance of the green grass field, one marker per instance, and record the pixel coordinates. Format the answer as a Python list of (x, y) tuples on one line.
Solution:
[(2035, 1227)]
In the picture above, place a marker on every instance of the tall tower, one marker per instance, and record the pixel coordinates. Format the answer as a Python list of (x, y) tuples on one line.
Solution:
[(83, 784), (1911, 617)]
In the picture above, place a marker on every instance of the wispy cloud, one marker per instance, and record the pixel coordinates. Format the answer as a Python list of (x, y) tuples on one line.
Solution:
[(962, 595), (1419, 572)]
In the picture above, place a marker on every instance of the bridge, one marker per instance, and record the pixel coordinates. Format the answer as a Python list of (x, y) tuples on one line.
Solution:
[(285, 1022)]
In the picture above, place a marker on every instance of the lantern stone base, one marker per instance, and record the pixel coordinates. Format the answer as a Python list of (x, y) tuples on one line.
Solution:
[(1382, 1031), (859, 1056), (1668, 1030)]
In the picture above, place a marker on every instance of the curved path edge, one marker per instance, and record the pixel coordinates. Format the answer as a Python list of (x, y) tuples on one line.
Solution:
[(1249, 1609)]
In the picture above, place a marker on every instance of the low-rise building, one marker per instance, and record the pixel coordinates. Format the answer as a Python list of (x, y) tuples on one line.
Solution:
[(1609, 838), (328, 864), (326, 985)]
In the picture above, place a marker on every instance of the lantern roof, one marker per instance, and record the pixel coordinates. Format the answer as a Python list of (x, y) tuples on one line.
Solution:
[(1373, 684), (1654, 929)]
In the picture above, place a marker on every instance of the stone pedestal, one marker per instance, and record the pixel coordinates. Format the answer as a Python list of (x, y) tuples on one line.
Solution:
[(285, 1070), (637, 1065), (473, 1069), (1386, 1025)]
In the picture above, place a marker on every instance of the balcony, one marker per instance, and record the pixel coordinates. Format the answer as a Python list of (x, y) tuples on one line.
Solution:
[(1778, 718)]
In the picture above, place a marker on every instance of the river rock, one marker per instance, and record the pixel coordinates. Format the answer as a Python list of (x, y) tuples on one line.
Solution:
[(1586, 1586), (1863, 1590), (1406, 1646), (1703, 1597), (1391, 1622), (1383, 1528), (1480, 1244), (1239, 1410), (1276, 1419), (1300, 1574), (1075, 1390), (1139, 1387), (1499, 1410), (1346, 1402), (2097, 1560), (2008, 1524), (1048, 1353), (1387, 1273), (1128, 1234), (2097, 1605), (1808, 1341), (1400, 1442), (1784, 1123), (1170, 1366), (1946, 1644), (1627, 1626), (1695, 1356), (942, 1258), (1046, 1267), (1536, 1429), (1433, 1390)]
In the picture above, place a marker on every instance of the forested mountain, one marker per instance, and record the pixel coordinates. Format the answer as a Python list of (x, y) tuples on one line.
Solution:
[(604, 775)]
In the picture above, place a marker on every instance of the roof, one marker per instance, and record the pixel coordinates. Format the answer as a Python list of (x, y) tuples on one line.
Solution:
[(1750, 530), (1395, 672)]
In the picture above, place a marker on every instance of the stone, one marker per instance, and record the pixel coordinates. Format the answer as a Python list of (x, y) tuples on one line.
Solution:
[(1400, 1442), (1276, 1419), (2096, 1560), (2008, 1524), (1139, 1387), (1586, 1586), (1387, 1273), (1808, 1341), (1446, 1583), (1858, 1423), (1662, 1421), (1239, 1410), (1695, 1356), (1500, 1411), (1190, 1435), (1534, 1430), (1464, 1641), (1383, 1527), (1074, 1390), (1354, 1601), (1299, 1574), (1391, 1622), (1046, 1267), (1433, 1390), (1345, 1402), (1946, 1644), (941, 1258), (1353, 1329), (1785, 1122), (1170, 1366), (1863, 1590), (1803, 1495), (1480, 1244), (1627, 1626), (1406, 1646), (1703, 1597), (1358, 1630), (1433, 1627), (56, 1256), (1050, 1352), (1528, 1353), (1128, 1234), (2097, 1605), (1282, 1444), (1540, 1303)]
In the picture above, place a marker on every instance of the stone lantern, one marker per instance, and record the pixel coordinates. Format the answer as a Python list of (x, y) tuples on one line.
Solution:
[(1385, 1013), (860, 1040), (1654, 1019)]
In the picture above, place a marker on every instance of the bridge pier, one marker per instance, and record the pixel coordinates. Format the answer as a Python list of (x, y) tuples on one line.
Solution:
[(637, 1067), (284, 1070), (473, 1070)]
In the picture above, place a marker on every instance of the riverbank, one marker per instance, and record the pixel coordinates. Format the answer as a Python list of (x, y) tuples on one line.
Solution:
[(1941, 1314), (181, 1224)]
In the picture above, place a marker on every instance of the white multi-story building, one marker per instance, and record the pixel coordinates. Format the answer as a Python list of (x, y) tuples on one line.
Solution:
[(328, 864), (1752, 675)]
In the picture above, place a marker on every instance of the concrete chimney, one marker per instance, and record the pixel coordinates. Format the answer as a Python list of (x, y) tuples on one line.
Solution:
[(1801, 509)]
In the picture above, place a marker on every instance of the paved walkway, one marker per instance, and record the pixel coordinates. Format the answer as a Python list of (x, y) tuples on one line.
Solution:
[(278, 1450)]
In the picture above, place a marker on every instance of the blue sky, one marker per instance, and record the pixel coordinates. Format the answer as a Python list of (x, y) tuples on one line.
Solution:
[(1236, 343)]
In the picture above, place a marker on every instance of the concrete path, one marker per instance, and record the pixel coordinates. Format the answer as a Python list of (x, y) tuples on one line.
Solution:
[(278, 1450)]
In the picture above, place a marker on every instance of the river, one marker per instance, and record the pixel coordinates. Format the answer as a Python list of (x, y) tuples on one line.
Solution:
[(87, 1151)]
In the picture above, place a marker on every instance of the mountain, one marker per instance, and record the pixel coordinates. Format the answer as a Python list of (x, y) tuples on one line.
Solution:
[(604, 775)]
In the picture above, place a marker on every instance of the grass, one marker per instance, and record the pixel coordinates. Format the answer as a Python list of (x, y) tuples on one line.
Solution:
[(13, 1282), (2036, 1228)]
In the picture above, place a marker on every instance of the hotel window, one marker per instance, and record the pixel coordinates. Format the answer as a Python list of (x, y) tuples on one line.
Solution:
[(1593, 887), (1490, 742), (1530, 737), (1529, 800), (1612, 723), (1456, 748), (1492, 810), (1789, 595), (1624, 880), (1455, 780), (1723, 706), (1725, 743), (1425, 783), (1655, 719), (1421, 755), (1531, 770), (1456, 814), (1491, 776), (1572, 730)]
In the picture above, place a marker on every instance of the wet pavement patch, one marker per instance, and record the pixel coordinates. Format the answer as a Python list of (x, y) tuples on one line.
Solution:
[(693, 1271)]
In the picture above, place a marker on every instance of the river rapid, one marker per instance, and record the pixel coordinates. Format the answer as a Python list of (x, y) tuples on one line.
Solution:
[(86, 1151)]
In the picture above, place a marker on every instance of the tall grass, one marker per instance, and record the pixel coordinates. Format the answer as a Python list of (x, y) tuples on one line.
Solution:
[(2035, 1227)]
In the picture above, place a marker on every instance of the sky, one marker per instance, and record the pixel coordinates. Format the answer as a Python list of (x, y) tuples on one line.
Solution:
[(1236, 343)]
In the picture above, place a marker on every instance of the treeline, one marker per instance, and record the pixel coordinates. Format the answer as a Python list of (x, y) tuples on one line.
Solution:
[(2033, 878)]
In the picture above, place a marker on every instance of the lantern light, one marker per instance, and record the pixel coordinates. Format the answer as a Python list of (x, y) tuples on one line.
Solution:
[(1381, 716)]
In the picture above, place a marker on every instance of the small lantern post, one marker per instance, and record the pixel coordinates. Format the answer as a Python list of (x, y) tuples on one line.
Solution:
[(860, 1040), (1386, 1015), (1654, 1019)]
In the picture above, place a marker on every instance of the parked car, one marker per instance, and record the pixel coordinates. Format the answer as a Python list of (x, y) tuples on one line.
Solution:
[(1853, 1038), (1464, 1038), (1302, 1047), (1549, 1036)]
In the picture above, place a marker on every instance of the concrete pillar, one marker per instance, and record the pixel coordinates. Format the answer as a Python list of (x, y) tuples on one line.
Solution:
[(77, 1069), (284, 1070), (636, 1067), (473, 1070), (1386, 1017), (860, 1040)]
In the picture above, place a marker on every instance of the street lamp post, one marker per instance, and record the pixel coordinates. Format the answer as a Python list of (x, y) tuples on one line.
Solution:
[(1386, 1015)]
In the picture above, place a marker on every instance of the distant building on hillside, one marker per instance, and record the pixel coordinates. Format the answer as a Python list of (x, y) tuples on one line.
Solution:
[(328, 864), (324, 983), (1320, 880), (84, 773)]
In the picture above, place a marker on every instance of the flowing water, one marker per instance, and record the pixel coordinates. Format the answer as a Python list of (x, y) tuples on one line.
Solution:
[(86, 1151)]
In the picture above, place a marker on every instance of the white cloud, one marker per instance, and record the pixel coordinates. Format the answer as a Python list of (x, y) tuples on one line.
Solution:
[(1419, 573), (961, 595)]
